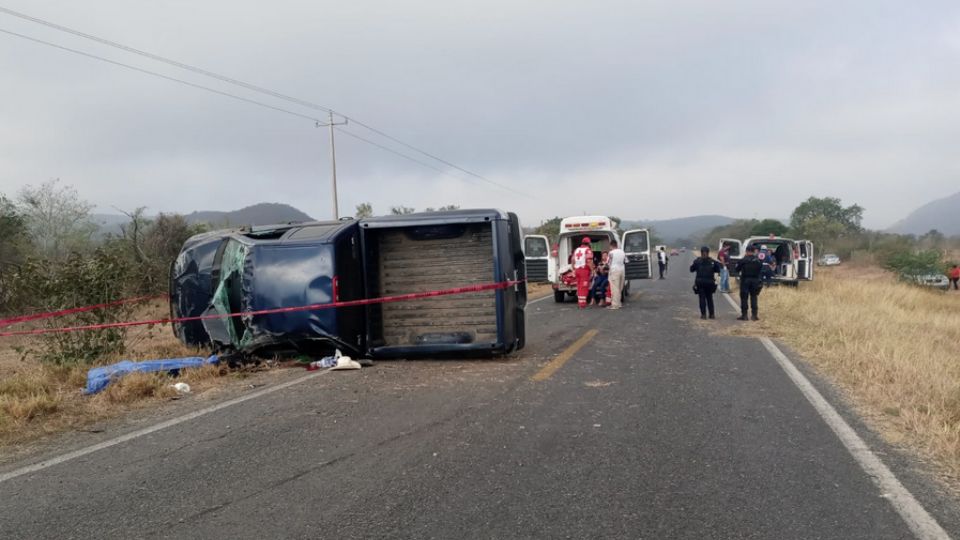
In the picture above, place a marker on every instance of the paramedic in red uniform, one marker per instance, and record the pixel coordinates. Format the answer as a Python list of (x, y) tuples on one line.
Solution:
[(583, 267)]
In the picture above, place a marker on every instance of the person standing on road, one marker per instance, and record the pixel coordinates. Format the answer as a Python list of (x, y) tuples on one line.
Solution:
[(955, 276), (583, 268), (618, 268), (723, 257), (662, 260), (750, 269), (705, 284)]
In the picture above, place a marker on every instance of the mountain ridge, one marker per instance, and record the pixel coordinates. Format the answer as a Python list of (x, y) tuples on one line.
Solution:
[(940, 214), (678, 230)]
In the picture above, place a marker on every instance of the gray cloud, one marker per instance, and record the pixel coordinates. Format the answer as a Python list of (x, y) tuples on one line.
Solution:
[(640, 109)]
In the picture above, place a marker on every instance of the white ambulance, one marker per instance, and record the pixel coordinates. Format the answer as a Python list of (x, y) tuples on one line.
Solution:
[(794, 257), (546, 265)]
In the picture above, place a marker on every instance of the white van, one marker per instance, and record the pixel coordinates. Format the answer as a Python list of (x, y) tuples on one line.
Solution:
[(795, 259), (549, 266)]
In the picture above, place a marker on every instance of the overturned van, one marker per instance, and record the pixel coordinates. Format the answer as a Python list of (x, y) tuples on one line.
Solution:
[(294, 265)]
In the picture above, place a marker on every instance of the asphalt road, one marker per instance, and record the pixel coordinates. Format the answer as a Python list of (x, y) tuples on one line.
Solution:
[(656, 428)]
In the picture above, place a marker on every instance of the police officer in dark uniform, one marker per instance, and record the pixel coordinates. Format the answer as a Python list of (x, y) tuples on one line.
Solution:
[(705, 284), (750, 269)]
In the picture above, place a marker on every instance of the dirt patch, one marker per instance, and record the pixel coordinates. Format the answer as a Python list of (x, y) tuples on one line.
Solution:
[(538, 290)]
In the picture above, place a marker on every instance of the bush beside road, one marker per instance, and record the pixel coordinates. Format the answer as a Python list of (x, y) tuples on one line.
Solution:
[(38, 398)]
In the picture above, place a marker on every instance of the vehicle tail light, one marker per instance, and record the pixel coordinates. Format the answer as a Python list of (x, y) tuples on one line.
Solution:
[(336, 288)]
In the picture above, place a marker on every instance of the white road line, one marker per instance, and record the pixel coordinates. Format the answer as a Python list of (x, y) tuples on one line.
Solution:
[(733, 304), (923, 525), (151, 429), (539, 300)]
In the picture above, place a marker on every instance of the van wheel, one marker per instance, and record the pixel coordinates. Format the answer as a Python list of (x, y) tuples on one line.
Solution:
[(559, 296)]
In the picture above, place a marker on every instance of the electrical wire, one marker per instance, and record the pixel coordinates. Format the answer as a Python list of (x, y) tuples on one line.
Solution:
[(162, 76), (318, 121), (255, 88)]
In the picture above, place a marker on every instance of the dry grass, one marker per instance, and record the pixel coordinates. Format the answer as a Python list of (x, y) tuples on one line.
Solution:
[(538, 290), (36, 399), (894, 348)]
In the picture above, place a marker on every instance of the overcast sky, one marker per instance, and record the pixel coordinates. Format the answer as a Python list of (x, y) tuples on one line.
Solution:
[(639, 109)]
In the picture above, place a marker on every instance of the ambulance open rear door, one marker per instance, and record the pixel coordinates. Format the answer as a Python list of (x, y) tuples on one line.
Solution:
[(805, 260), (636, 245), (541, 268), (734, 254)]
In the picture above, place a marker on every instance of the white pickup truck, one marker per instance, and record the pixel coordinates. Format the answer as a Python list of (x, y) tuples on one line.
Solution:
[(795, 259), (546, 265)]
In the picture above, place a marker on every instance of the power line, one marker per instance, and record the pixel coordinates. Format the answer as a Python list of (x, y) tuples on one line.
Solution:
[(159, 58), (260, 89), (155, 74), (222, 93)]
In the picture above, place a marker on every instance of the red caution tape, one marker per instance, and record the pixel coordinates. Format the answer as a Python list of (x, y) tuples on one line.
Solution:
[(62, 312), (312, 307)]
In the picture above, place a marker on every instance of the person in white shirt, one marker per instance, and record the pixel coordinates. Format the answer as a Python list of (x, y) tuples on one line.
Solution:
[(616, 259), (662, 260)]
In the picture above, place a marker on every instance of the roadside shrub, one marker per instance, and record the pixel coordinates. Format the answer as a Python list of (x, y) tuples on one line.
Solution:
[(94, 278), (920, 263)]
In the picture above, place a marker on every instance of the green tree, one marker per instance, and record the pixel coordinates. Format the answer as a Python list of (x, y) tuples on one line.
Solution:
[(769, 226), (550, 229), (364, 210), (401, 210), (80, 279), (447, 208), (822, 231), (932, 239), (739, 229), (829, 208), (57, 220), (13, 243), (13, 232)]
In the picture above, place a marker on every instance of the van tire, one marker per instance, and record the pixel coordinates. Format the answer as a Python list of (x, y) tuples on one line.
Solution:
[(559, 296)]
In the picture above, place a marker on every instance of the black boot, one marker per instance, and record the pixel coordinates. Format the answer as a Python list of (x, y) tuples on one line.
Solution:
[(742, 317), (755, 318)]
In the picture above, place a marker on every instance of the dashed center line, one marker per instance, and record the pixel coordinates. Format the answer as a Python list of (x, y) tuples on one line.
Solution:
[(548, 370)]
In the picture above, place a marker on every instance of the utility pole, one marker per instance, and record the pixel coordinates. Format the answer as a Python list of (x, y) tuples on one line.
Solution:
[(333, 160)]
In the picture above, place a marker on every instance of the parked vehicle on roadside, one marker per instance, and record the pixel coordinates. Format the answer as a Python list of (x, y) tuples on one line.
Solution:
[(794, 257), (933, 281), (829, 260), (601, 230), (303, 264)]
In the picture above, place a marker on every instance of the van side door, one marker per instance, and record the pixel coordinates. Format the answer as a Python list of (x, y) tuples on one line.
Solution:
[(636, 245)]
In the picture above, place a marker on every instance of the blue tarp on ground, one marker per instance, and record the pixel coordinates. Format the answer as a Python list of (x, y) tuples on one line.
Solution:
[(99, 377)]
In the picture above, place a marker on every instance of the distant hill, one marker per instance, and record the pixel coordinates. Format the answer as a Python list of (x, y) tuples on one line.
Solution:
[(258, 214), (672, 230), (941, 214)]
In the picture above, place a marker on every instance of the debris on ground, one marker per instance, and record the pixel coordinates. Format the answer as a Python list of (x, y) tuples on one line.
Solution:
[(99, 377)]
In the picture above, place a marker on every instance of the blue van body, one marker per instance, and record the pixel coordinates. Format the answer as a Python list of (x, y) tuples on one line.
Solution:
[(292, 265)]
